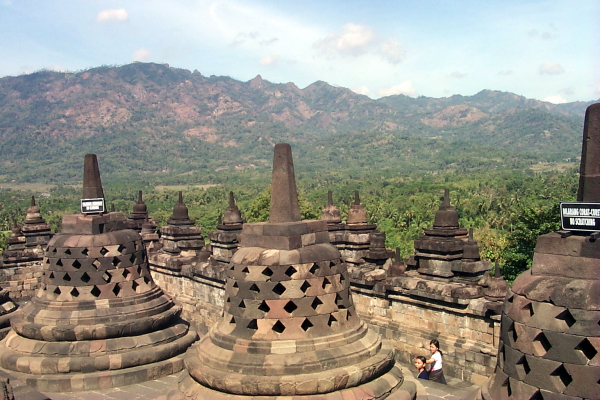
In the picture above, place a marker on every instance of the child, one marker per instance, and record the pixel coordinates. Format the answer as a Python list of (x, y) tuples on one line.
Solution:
[(435, 373), (420, 363)]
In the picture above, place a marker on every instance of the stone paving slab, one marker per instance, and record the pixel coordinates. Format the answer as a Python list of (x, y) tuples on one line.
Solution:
[(157, 389)]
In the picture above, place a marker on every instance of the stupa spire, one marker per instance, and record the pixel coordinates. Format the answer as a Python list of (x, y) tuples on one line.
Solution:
[(284, 197), (589, 170), (92, 184)]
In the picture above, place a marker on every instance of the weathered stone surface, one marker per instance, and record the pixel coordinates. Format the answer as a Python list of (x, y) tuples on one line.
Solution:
[(589, 170), (284, 198)]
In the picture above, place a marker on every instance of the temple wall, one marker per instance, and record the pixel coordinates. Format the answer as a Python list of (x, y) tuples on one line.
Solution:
[(468, 340), (21, 280)]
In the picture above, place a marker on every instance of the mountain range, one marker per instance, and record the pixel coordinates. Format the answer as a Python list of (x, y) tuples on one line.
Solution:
[(153, 119)]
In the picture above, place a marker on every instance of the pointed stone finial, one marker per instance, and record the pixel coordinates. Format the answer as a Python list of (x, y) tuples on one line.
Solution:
[(329, 198), (32, 204), (140, 207), (232, 214), (446, 216), (497, 273), (330, 212), (356, 198), (397, 254), (180, 213), (92, 185), (33, 215), (357, 214), (589, 170), (284, 197)]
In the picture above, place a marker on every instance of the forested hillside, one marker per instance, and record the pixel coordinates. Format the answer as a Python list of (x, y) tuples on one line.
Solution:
[(162, 122)]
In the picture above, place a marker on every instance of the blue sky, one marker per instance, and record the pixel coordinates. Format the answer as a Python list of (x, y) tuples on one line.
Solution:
[(543, 49)]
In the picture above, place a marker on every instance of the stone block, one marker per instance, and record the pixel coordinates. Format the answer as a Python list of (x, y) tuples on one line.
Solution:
[(565, 266)]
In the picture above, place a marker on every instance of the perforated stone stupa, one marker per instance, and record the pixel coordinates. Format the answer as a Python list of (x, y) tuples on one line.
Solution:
[(98, 320), (289, 326), (224, 240), (550, 340)]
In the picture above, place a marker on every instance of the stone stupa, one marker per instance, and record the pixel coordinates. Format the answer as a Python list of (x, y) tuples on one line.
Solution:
[(289, 326), (550, 336), (99, 320)]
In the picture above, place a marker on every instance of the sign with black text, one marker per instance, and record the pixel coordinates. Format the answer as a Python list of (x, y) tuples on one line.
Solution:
[(92, 206), (580, 216)]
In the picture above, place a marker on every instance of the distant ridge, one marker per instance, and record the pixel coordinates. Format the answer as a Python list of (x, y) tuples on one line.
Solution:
[(151, 117)]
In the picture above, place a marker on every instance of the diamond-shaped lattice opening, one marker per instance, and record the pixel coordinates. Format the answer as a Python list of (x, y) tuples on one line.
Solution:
[(588, 350), (85, 251), (342, 279), (67, 278), (325, 283), (278, 327), (116, 261), (264, 307), (235, 285), (267, 272), (348, 315), (562, 374), (104, 251), (68, 251), (313, 270), (126, 273), (506, 384), (146, 280), (132, 258), (254, 288), (290, 271), (95, 291), (47, 260), (85, 278), (121, 248), (537, 396), (511, 298), (541, 344), (54, 249), (116, 290), (75, 292), (567, 317), (512, 331), (316, 303), (527, 310), (242, 304), (290, 307), (339, 302), (245, 270), (59, 263), (232, 320), (279, 289), (306, 325), (76, 264), (522, 367), (139, 269), (51, 276), (97, 264), (135, 286), (332, 319), (57, 291), (305, 286), (252, 324)]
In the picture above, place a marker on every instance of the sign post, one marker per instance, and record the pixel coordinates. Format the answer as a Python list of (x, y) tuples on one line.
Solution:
[(583, 217), (92, 206)]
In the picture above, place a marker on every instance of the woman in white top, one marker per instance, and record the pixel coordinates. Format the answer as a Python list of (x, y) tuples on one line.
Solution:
[(435, 373)]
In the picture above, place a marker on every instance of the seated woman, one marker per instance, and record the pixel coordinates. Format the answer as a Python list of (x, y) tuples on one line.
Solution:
[(420, 363), (435, 373)]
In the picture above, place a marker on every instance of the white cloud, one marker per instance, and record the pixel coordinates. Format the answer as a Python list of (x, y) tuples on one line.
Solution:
[(117, 14), (556, 99), (353, 40), (361, 90), (141, 55), (58, 68), (269, 60), (392, 50), (551, 68), (405, 88), (457, 75)]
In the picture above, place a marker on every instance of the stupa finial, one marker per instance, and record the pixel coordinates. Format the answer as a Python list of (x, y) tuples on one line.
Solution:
[(92, 185), (284, 197)]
